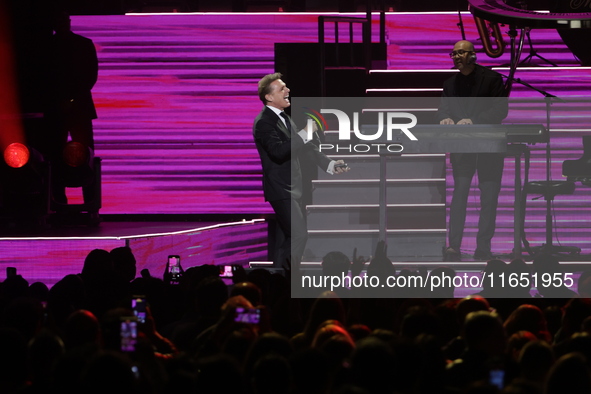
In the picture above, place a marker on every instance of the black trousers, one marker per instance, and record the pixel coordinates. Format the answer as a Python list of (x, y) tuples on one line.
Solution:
[(292, 223), (80, 129), (490, 172)]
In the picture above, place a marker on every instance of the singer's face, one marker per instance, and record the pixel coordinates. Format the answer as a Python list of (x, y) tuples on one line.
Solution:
[(279, 96)]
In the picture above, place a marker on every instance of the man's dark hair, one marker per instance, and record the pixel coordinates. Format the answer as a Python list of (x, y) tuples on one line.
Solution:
[(265, 85)]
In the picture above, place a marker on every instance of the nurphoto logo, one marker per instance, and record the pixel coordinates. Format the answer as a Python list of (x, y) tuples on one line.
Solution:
[(380, 143)]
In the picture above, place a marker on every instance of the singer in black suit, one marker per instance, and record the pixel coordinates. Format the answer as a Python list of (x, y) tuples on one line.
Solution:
[(281, 146), (73, 73), (475, 95)]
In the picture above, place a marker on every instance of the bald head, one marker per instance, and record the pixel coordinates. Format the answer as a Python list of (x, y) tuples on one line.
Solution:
[(464, 56), (465, 45)]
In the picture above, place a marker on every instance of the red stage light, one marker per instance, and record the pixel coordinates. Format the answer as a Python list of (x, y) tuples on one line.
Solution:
[(75, 154), (16, 155)]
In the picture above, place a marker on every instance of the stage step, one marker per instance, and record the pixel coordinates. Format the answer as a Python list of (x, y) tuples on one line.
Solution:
[(404, 244), (400, 191)]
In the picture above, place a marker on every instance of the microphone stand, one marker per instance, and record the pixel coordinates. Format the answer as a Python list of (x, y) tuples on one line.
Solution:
[(533, 53), (516, 50), (460, 23)]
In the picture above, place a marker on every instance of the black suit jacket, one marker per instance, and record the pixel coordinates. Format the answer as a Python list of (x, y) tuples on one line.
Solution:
[(487, 104), (74, 72), (280, 154)]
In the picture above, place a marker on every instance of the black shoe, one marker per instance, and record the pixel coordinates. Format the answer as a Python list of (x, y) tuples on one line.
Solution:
[(481, 255), (450, 254)]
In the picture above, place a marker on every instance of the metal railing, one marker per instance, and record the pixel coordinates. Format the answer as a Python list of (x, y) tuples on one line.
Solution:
[(366, 25)]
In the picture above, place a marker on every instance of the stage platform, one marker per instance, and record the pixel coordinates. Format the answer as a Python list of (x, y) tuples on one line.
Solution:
[(165, 149), (48, 254)]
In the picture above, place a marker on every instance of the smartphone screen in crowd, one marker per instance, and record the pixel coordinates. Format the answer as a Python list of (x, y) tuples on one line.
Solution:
[(247, 315), (138, 305), (128, 333), (226, 271), (174, 267)]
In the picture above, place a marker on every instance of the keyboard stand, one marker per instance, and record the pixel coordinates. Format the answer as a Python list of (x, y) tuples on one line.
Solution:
[(517, 150)]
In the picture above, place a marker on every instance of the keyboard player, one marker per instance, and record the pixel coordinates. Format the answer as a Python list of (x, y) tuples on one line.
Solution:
[(475, 95)]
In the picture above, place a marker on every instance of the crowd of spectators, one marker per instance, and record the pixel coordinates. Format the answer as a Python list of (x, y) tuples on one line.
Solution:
[(68, 339)]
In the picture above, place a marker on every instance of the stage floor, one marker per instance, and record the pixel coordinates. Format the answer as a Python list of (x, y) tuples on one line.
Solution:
[(105, 230), (48, 254)]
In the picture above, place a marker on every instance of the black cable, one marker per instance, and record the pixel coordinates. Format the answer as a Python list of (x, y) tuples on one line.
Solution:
[(526, 166)]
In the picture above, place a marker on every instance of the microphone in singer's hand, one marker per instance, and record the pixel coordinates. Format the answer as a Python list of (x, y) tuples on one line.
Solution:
[(342, 166)]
